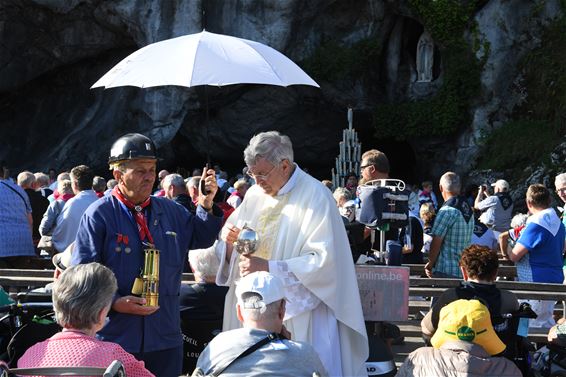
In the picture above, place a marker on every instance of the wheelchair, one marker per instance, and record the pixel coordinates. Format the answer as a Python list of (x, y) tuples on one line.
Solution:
[(115, 369)]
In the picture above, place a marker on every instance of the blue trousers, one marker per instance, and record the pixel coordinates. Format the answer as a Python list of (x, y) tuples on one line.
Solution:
[(164, 363)]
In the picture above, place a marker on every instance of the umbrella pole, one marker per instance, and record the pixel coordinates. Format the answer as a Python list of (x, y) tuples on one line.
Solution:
[(207, 126)]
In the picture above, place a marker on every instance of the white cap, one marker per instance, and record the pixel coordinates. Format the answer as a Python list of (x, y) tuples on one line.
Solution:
[(501, 184), (63, 260), (268, 286)]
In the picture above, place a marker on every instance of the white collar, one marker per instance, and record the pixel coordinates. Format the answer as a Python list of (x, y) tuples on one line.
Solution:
[(548, 219), (287, 187)]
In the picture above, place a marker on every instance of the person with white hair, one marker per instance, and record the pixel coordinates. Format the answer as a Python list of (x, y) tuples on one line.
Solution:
[(507, 239), (302, 240), (82, 297), (110, 186), (202, 306), (452, 230), (204, 299), (42, 184), (192, 187), (346, 207), (175, 189), (236, 197), (262, 347), (39, 203)]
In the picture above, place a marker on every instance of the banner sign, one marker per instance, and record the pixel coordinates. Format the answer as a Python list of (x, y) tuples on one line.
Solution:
[(384, 292)]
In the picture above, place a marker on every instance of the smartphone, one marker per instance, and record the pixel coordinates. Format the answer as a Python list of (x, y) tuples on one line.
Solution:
[(202, 185)]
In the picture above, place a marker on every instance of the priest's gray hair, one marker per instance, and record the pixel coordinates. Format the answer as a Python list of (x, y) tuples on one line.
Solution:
[(271, 145), (560, 180), (81, 293), (450, 181), (253, 307), (204, 262)]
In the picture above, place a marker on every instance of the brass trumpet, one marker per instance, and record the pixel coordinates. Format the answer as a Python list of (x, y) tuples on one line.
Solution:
[(147, 285)]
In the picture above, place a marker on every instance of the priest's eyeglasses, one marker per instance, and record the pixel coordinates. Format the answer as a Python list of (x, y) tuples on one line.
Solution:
[(262, 177)]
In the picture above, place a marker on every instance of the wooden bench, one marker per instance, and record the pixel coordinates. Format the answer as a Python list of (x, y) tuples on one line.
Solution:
[(505, 271), (15, 280)]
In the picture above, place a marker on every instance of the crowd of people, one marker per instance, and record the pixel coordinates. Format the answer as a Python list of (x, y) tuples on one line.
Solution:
[(281, 310)]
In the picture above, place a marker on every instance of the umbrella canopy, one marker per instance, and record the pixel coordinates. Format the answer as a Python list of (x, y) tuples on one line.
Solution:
[(205, 59)]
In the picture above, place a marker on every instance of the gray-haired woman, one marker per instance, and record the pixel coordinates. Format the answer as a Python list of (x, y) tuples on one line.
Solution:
[(81, 298)]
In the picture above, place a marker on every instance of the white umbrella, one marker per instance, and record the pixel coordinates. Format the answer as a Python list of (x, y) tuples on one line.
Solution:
[(205, 59)]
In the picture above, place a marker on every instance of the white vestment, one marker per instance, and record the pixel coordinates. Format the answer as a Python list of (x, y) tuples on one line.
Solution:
[(303, 236)]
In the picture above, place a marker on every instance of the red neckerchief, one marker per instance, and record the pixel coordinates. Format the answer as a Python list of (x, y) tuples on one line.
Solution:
[(66, 197), (137, 210), (517, 231)]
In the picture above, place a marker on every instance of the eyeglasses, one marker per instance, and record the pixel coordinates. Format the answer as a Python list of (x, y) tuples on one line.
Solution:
[(561, 190), (365, 166), (262, 177)]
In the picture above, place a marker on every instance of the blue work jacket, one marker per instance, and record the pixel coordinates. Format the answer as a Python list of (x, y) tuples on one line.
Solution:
[(174, 232)]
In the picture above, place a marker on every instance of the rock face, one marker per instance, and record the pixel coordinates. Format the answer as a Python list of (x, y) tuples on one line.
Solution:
[(52, 51)]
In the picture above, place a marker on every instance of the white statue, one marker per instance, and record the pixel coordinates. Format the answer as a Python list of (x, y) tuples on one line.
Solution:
[(425, 57)]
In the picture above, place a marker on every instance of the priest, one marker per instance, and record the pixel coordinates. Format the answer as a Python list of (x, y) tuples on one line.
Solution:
[(303, 241)]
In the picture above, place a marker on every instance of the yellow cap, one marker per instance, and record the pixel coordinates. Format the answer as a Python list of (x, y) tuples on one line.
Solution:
[(467, 320)]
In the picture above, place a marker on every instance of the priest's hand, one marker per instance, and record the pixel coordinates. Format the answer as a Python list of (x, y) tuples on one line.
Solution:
[(249, 264), (229, 233), (133, 305)]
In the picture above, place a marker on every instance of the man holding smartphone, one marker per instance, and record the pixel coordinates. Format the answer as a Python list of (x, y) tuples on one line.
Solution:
[(119, 230)]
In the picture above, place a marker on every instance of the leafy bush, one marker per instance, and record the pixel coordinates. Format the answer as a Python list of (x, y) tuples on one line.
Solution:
[(518, 144), (447, 111)]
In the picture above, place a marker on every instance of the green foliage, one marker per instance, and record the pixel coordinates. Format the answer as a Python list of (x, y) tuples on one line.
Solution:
[(445, 19), (545, 77), (539, 125), (447, 111), (333, 61), (518, 144)]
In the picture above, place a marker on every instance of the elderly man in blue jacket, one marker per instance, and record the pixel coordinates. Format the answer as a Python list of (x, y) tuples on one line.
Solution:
[(117, 229)]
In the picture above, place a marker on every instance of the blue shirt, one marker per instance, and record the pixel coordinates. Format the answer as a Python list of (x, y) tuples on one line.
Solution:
[(174, 232), (67, 222), (543, 262), (15, 231)]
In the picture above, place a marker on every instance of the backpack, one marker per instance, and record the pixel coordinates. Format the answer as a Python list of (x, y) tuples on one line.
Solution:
[(384, 205)]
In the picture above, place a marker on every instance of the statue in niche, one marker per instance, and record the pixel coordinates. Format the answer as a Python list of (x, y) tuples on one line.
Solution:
[(425, 57)]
